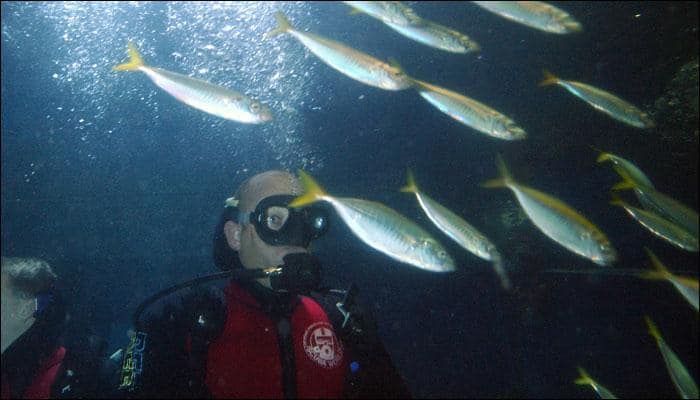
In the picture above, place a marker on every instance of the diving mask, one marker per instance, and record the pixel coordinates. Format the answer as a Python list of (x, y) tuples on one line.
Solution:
[(278, 225)]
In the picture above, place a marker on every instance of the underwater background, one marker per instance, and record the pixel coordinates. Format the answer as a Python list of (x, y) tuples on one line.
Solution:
[(119, 186)]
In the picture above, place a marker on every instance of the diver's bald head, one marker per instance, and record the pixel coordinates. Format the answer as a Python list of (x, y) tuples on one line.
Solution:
[(266, 184)]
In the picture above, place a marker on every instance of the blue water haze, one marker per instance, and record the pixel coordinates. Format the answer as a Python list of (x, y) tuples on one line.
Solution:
[(119, 185)]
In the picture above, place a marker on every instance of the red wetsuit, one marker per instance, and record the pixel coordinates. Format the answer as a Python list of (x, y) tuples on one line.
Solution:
[(268, 345), (40, 386), (245, 361)]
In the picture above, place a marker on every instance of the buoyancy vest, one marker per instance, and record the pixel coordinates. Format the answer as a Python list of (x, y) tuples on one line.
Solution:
[(247, 359), (40, 386)]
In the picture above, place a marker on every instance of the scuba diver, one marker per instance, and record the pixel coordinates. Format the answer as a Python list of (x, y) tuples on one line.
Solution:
[(41, 358), (273, 331)]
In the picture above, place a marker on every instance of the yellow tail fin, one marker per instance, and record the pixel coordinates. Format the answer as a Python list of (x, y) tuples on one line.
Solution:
[(283, 25), (411, 186), (653, 330), (135, 60), (624, 185), (656, 263), (312, 191), (549, 79), (355, 11), (499, 267), (602, 155), (617, 201), (584, 379), (395, 64), (505, 179)]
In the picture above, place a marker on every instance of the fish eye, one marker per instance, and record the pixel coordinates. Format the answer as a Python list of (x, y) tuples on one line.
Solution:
[(442, 254), (254, 107)]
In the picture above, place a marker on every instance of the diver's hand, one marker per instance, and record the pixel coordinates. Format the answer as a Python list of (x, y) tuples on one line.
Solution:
[(301, 273)]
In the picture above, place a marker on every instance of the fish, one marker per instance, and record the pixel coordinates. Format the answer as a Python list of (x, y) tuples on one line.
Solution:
[(660, 226), (664, 205), (381, 228), (685, 385), (405, 21), (535, 14), (350, 62), (393, 12), (202, 95), (459, 230), (630, 172), (626, 169), (686, 286), (557, 220), (436, 36), (601, 390), (603, 101), (470, 112)]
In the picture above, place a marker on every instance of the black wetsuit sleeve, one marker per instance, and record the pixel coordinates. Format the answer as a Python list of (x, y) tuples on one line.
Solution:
[(372, 372), (87, 371), (176, 343), (165, 372)]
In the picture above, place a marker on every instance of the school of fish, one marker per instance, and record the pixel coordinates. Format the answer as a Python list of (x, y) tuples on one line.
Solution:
[(387, 231)]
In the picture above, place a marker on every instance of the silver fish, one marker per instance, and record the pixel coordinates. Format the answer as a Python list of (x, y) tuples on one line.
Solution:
[(437, 36), (686, 286), (601, 390), (660, 226), (557, 220), (199, 94), (405, 21), (535, 14), (470, 112), (386, 11), (669, 208), (459, 230), (630, 173), (685, 385), (652, 199), (350, 62), (603, 101), (382, 228)]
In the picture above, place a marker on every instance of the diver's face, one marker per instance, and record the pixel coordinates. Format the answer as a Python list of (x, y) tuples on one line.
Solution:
[(255, 253)]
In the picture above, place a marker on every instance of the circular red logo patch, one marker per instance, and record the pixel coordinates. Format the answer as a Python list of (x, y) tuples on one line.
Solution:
[(322, 346)]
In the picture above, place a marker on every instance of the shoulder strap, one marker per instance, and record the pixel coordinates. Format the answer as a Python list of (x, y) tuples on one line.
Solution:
[(206, 315), (286, 345)]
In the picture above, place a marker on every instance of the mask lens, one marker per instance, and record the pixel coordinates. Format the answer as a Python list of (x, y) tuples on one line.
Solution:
[(318, 222), (276, 217), (276, 224)]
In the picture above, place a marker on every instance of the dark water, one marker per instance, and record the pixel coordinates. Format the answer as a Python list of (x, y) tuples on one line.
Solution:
[(119, 186)]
